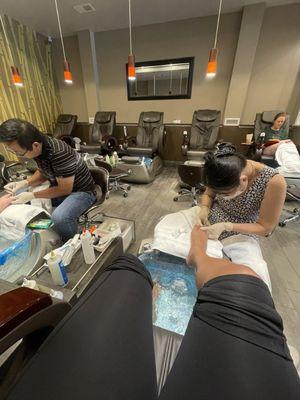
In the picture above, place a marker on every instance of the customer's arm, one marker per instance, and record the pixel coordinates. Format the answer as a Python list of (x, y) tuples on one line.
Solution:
[(5, 201), (270, 209), (208, 267)]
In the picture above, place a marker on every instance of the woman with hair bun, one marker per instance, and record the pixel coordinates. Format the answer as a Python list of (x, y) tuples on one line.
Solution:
[(242, 201)]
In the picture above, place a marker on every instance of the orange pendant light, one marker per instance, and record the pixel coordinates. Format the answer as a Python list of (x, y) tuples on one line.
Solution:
[(16, 77), (212, 61), (68, 78), (131, 68), (131, 73)]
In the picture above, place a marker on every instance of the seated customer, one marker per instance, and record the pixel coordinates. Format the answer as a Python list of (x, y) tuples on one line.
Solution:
[(72, 185), (275, 133), (243, 200)]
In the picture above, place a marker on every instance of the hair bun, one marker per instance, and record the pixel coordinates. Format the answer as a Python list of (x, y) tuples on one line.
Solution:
[(209, 156), (225, 149)]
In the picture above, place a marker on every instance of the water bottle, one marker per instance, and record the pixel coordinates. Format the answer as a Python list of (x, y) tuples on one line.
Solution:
[(185, 138), (115, 157), (262, 138), (125, 131), (57, 269), (87, 247)]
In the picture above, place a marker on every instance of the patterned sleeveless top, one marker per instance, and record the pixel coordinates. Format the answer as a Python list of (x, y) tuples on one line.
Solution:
[(244, 208)]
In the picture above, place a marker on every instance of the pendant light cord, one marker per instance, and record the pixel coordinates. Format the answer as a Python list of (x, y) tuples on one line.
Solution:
[(6, 39), (130, 36), (218, 22), (60, 31)]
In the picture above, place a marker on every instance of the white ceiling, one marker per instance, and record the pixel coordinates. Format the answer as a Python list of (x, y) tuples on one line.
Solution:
[(113, 14)]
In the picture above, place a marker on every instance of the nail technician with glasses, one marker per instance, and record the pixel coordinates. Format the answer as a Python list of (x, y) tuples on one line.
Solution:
[(71, 183), (242, 201)]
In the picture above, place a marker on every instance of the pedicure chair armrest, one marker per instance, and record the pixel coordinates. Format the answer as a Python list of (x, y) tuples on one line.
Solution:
[(24, 311)]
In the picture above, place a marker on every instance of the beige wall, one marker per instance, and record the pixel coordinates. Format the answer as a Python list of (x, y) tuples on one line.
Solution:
[(73, 96), (276, 63), (89, 67), (251, 24), (273, 81), (170, 40), (294, 104)]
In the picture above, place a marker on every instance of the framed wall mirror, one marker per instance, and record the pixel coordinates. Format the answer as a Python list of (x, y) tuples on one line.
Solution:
[(162, 79)]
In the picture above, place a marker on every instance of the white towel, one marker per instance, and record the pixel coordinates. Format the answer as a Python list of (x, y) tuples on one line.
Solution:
[(172, 235), (13, 219), (288, 158)]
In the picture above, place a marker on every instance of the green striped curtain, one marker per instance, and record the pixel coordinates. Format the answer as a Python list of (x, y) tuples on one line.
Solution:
[(38, 101)]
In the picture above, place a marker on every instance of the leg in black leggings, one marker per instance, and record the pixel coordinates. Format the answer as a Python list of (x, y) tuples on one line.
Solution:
[(228, 353), (233, 348), (103, 349)]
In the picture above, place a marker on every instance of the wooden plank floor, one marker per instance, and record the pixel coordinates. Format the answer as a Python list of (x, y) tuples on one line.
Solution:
[(146, 204)]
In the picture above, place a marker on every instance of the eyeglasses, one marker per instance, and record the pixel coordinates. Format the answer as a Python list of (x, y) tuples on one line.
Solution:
[(17, 153)]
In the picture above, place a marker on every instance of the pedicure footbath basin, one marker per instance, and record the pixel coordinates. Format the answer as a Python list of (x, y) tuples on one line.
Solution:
[(20, 257), (176, 292)]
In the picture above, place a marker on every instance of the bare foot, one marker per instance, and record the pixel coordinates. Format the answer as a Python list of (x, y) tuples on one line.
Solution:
[(198, 244)]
